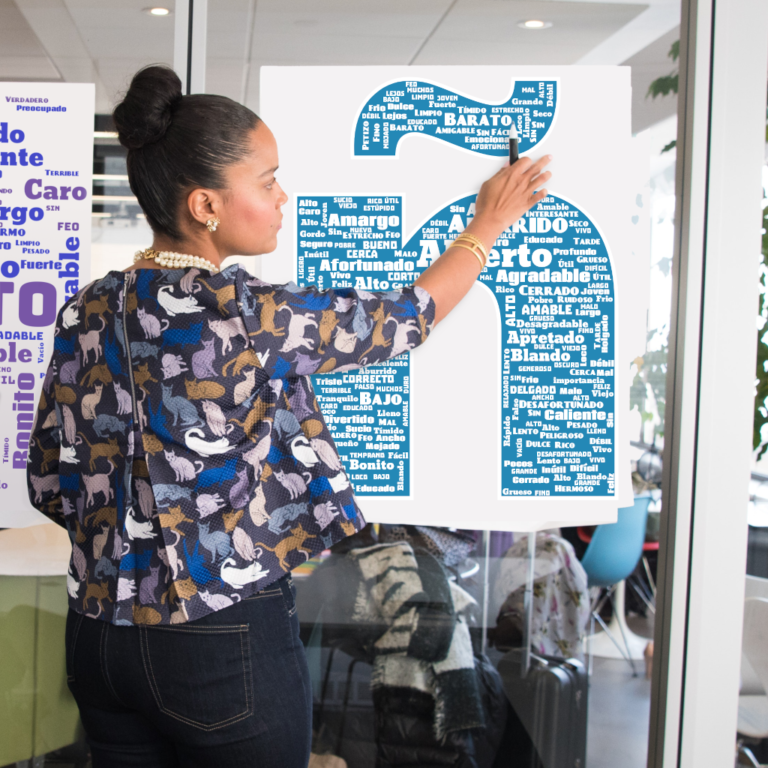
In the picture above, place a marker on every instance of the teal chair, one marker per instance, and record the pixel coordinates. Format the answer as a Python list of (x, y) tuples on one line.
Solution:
[(612, 556)]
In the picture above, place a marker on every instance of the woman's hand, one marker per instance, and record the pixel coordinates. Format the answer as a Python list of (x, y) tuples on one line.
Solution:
[(506, 196), (502, 200)]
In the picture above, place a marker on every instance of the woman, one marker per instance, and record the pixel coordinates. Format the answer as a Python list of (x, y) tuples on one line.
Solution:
[(180, 443)]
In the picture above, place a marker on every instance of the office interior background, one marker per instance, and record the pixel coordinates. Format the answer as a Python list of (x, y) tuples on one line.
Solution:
[(679, 674)]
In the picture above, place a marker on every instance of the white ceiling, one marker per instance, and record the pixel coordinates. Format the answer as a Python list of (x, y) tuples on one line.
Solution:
[(21, 55), (106, 41)]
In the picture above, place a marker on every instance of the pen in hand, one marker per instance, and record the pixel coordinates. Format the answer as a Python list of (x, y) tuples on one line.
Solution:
[(513, 152)]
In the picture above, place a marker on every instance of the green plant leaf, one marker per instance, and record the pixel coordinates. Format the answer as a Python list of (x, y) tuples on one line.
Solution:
[(761, 375), (663, 86)]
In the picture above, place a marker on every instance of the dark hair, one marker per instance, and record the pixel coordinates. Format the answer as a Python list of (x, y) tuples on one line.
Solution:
[(176, 142)]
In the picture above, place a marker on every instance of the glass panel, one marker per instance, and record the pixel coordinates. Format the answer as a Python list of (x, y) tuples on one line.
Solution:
[(360, 715), (753, 705), (37, 708), (119, 40), (103, 42), (503, 613)]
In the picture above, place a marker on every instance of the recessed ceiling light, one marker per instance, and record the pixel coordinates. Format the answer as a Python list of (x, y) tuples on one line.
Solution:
[(534, 24), (158, 11)]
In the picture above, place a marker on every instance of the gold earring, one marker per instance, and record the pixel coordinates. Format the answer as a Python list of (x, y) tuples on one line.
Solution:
[(212, 223)]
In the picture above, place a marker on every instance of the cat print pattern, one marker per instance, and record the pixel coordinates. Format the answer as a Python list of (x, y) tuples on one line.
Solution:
[(178, 438)]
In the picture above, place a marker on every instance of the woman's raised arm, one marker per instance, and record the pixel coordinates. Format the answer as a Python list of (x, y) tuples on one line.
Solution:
[(502, 200), (298, 331)]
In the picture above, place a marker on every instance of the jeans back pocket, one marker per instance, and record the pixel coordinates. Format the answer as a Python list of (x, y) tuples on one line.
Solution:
[(200, 675)]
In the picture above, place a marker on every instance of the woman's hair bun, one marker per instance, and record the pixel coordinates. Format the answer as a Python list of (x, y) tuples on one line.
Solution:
[(176, 143), (145, 113)]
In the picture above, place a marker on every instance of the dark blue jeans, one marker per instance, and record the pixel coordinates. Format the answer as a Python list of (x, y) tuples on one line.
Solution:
[(231, 689)]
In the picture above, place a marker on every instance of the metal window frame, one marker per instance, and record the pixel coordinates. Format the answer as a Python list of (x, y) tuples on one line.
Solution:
[(190, 36), (710, 391)]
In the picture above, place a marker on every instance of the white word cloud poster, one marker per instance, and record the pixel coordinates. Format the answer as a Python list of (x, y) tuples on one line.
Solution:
[(46, 161), (513, 415)]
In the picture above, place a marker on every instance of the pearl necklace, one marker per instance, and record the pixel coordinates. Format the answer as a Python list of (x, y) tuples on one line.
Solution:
[(175, 260)]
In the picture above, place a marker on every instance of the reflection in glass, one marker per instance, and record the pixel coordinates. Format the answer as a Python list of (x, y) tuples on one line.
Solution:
[(752, 724), (462, 606)]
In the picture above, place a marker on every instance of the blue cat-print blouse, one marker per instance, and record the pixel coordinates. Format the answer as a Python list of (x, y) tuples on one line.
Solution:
[(179, 441)]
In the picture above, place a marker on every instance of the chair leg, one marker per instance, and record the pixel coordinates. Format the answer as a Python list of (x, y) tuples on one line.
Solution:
[(596, 603), (599, 619), (599, 603), (642, 590), (324, 690), (650, 578), (626, 645), (344, 706), (744, 756), (623, 651), (641, 593)]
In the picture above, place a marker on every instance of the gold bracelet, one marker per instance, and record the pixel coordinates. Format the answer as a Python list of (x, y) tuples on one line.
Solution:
[(457, 244), (477, 241), (477, 250)]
